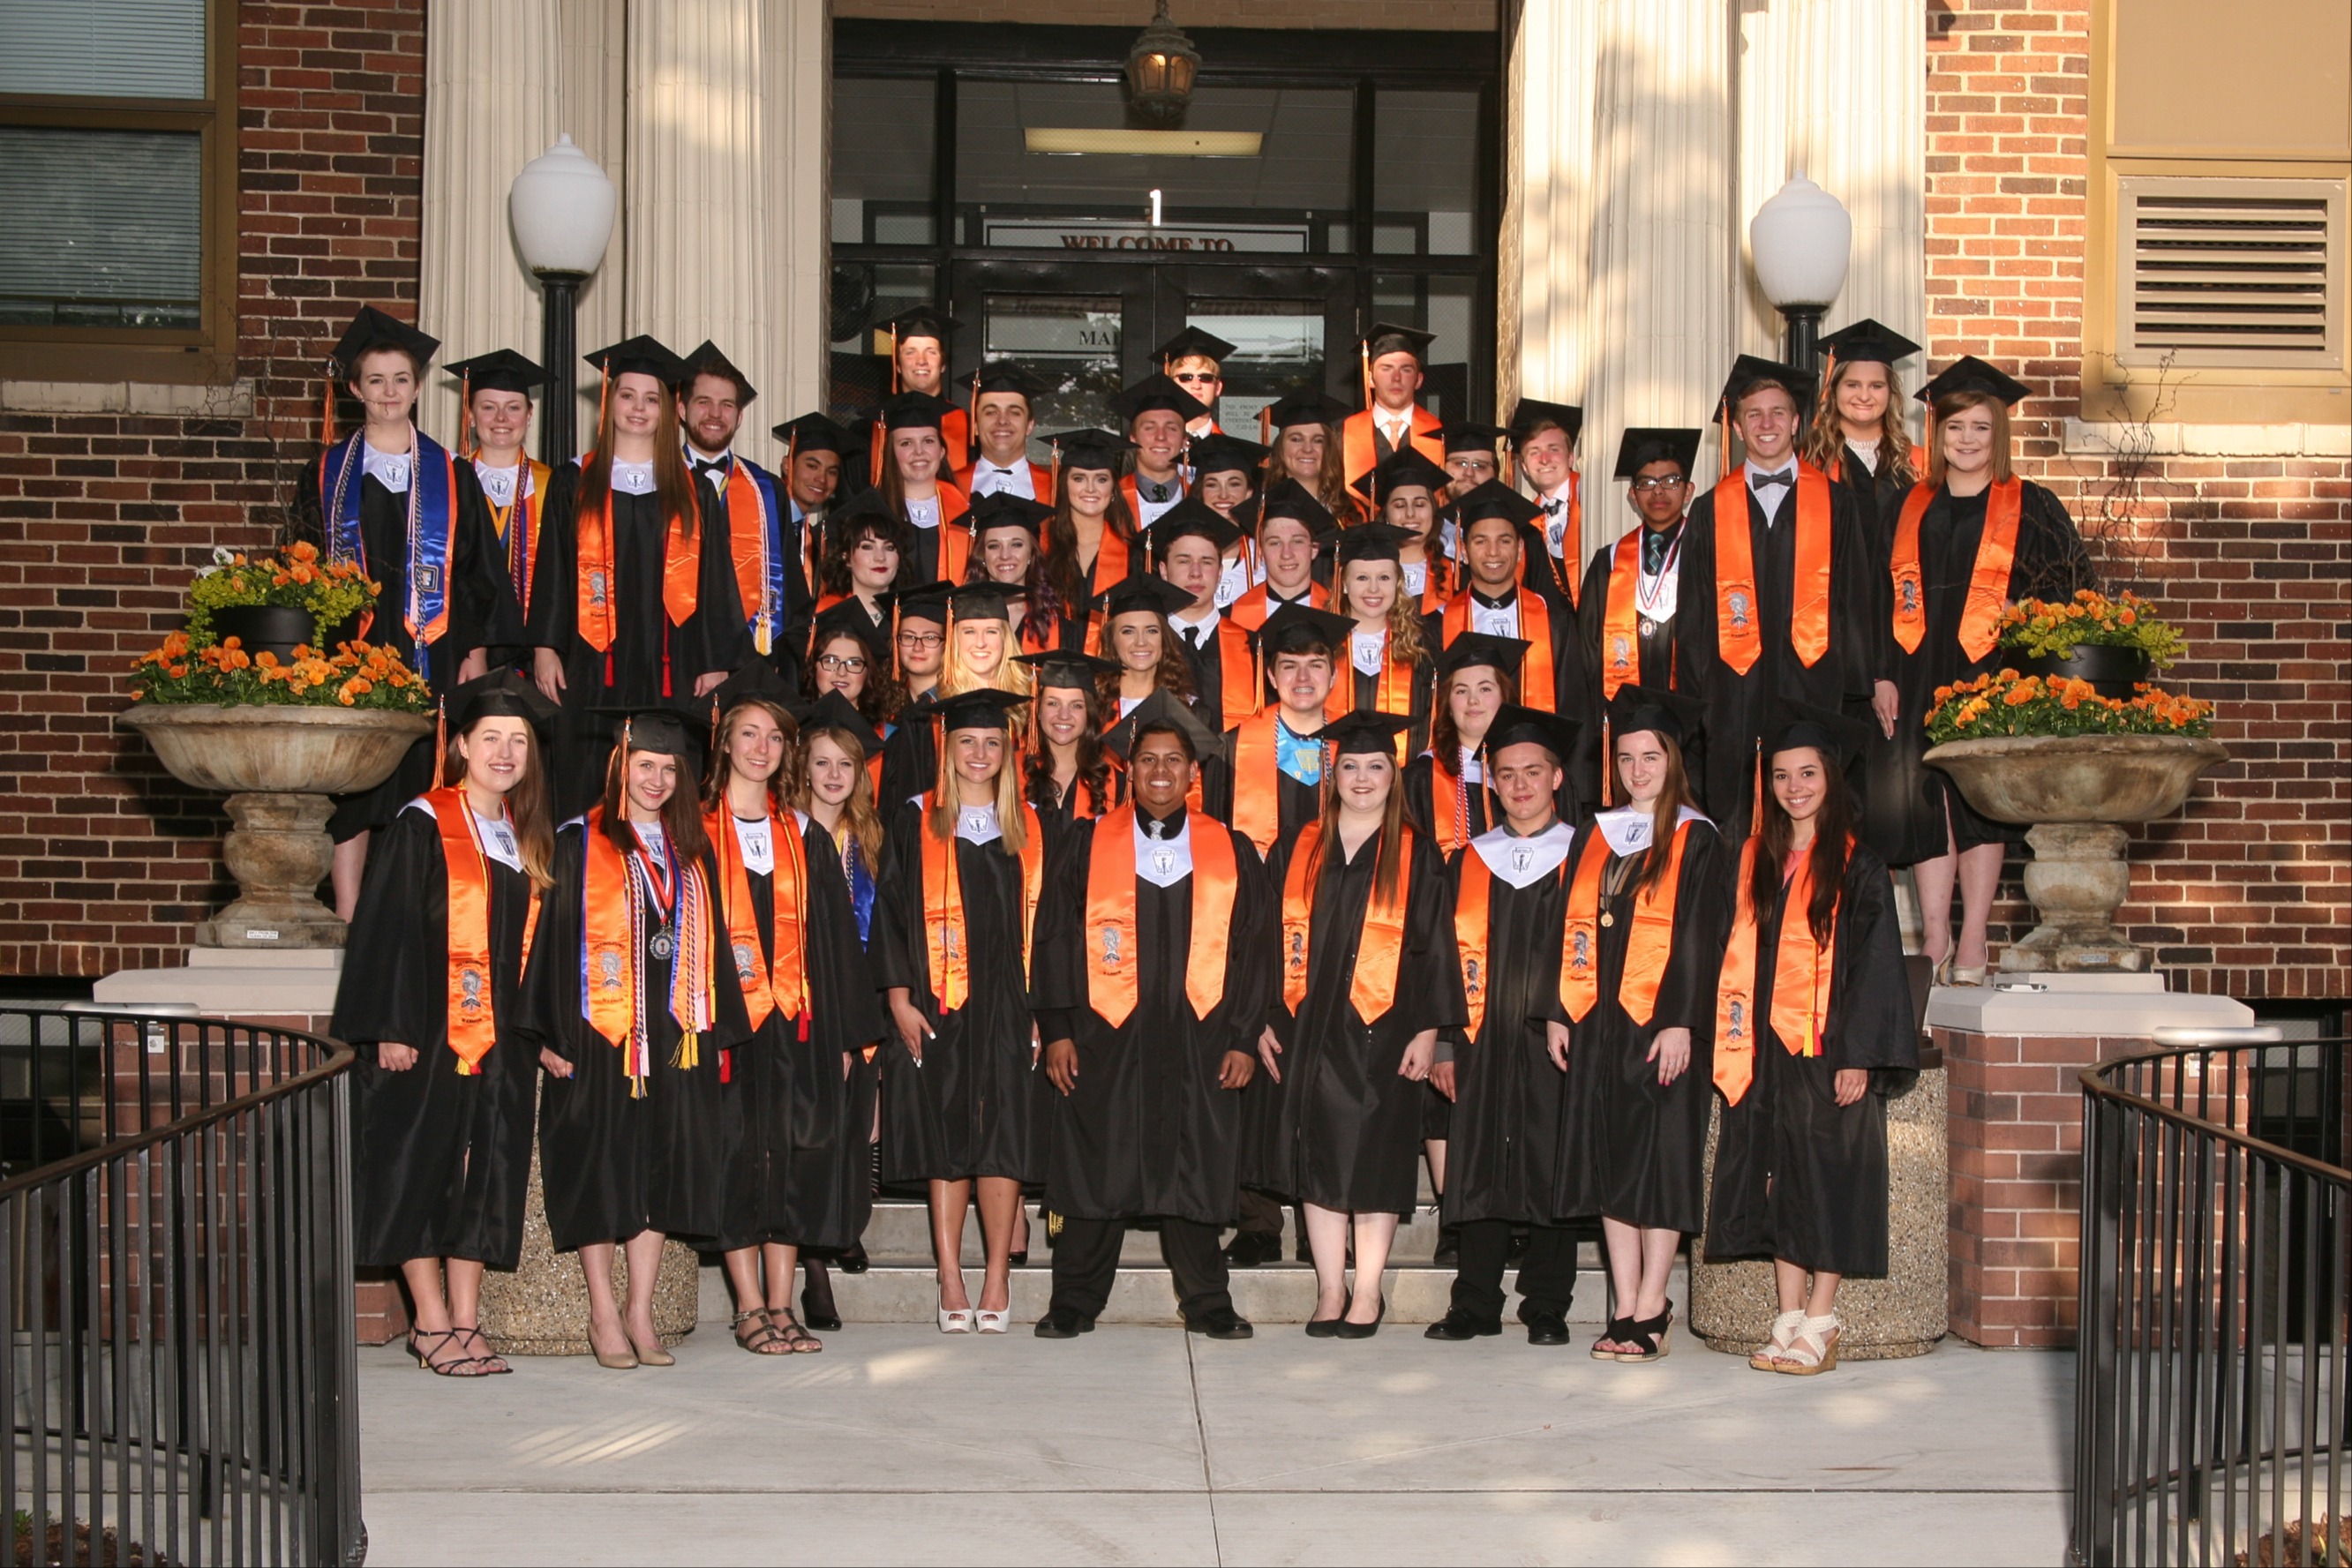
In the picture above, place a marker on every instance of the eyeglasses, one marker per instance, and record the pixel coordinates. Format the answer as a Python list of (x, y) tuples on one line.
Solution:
[(1643, 486), (854, 664), (922, 639), (1193, 378)]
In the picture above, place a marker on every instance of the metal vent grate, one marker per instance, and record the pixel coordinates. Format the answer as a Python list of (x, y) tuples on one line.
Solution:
[(2236, 271)]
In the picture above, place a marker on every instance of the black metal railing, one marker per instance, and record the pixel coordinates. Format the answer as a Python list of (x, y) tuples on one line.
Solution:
[(2210, 1395), (175, 1269)]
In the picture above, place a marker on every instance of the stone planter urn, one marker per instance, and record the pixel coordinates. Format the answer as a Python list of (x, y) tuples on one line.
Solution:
[(279, 766), (2078, 791)]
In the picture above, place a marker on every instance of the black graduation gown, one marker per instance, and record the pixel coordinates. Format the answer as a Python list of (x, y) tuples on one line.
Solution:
[(1797, 1176), (1146, 1130), (1367, 690), (1738, 705), (612, 1165), (1078, 804), (1295, 804), (713, 637), (1504, 1131), (482, 612), (910, 764), (441, 1159), (1207, 664), (1905, 802), (1344, 1126), (1630, 1149), (968, 1109), (799, 1131), (1657, 663), (785, 651), (1476, 802), (1878, 498), (921, 561)]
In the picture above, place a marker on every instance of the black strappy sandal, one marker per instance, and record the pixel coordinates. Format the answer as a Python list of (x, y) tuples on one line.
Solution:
[(765, 1340), (1650, 1334), (453, 1368), (493, 1364), (1618, 1331)]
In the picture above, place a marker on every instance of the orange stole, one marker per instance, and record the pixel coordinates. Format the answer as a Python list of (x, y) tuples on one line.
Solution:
[(1392, 694), (781, 982), (1647, 946), (1251, 609), (1257, 782), (1380, 949), (1570, 572), (1449, 821), (1988, 581), (1801, 970), (472, 1027), (1739, 635), (1358, 447), (613, 910), (955, 543), (523, 549), (747, 541), (944, 929), (1537, 682), (1620, 630), (681, 566), (1111, 932), (1470, 926), (1240, 689)]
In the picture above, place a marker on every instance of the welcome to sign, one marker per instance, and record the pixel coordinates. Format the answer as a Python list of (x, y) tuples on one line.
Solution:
[(1079, 233)]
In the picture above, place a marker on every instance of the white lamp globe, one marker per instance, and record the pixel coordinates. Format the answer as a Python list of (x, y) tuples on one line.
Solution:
[(1802, 240), (562, 207)]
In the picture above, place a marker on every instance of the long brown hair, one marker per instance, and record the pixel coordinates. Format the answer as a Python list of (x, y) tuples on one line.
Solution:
[(672, 484), (722, 767), (681, 814), (878, 698), (857, 813), (1444, 737), (1666, 816), (938, 818), (526, 804), (1953, 402), (1062, 569), (1330, 485), (1833, 825), (1093, 773), (1389, 871), (1172, 674), (1824, 440)]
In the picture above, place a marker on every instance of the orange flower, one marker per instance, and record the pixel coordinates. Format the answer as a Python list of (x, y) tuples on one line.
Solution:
[(303, 574), (303, 549), (179, 672)]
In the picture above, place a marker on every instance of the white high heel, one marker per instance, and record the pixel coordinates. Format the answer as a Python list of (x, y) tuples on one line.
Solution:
[(995, 1323), (957, 1320)]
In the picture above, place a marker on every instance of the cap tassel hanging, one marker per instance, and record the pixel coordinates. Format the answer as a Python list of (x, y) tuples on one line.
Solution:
[(604, 394), (327, 407), (1364, 349), (467, 447), (1726, 452), (1608, 767), (440, 741)]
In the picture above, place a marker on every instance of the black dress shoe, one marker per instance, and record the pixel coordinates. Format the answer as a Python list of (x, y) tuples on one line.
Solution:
[(1347, 1330), (1221, 1323), (1248, 1249), (1458, 1325), (1323, 1328), (1547, 1328), (1063, 1325), (817, 1309), (855, 1260)]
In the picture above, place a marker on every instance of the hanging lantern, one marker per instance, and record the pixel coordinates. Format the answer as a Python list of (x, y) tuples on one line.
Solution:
[(1161, 70)]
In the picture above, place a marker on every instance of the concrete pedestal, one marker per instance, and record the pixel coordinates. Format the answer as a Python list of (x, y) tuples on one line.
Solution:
[(541, 1309), (292, 988), (1732, 1305)]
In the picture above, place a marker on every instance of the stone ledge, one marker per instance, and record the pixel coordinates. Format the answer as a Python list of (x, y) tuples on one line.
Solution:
[(2099, 438), (232, 399)]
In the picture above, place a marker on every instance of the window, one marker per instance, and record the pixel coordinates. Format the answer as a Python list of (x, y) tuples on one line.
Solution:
[(116, 130)]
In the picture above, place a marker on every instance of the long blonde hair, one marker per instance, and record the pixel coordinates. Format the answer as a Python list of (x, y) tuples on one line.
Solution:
[(1406, 644), (857, 813), (938, 817), (957, 677), (526, 804), (1825, 440)]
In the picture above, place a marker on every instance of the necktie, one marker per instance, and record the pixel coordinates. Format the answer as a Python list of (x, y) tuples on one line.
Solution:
[(1785, 477), (1193, 636)]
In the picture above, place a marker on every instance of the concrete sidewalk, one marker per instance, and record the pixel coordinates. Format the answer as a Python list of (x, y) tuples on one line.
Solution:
[(1145, 1445)]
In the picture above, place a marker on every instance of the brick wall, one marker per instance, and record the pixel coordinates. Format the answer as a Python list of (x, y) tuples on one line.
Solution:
[(2249, 892), (105, 861)]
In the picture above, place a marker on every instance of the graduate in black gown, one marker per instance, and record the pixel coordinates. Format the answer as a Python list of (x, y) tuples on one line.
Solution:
[(1368, 978), (961, 876), (441, 1103), (1066, 773), (632, 1149), (1153, 964), (1785, 609), (398, 503), (797, 1120), (1445, 792), (1627, 615), (1856, 435), (1188, 544), (910, 756), (1385, 666), (1503, 1144), (638, 605), (1972, 519), (1633, 1016), (1800, 1168)]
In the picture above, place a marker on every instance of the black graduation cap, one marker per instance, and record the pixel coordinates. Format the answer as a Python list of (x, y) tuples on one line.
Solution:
[(1222, 453), (867, 503), (1006, 376), (834, 711), (1303, 629), (921, 602), (1634, 709), (981, 601), (706, 360), (1066, 668), (983, 708), (1287, 499), (1002, 510), (914, 410), (1644, 444), (1532, 414), (1373, 542), (1401, 470), (502, 694), (1475, 648), (922, 321), (848, 617), (1192, 343), (1969, 373), (1792, 723), (1365, 730), (1153, 392), (1305, 405), (501, 369), (754, 679), (371, 328), (1466, 436), (1868, 339), (644, 356), (1156, 594), (1194, 518), (1516, 725), (1748, 369), (1388, 338), (812, 433), (655, 729), (1493, 499), (1091, 449), (1163, 710)]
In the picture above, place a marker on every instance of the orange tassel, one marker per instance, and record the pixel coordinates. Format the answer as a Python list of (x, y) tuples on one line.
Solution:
[(327, 408), (604, 394), (440, 740), (1727, 440), (1366, 352), (1608, 768), (894, 358)]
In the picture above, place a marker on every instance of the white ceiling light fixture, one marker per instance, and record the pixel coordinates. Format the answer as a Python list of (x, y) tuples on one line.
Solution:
[(1067, 141)]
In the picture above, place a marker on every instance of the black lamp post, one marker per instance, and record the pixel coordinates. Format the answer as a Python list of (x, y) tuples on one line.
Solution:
[(562, 206)]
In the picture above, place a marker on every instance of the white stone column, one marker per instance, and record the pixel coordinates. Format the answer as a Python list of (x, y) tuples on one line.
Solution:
[(1550, 193), (592, 87), (725, 199)]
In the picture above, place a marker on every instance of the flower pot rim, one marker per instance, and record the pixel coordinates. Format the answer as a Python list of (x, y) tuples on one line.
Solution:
[(310, 714), (2127, 745)]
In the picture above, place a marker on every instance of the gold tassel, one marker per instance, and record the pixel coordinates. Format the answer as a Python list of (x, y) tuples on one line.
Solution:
[(689, 1055)]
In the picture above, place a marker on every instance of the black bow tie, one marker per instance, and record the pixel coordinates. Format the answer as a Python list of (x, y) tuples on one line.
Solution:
[(1785, 477), (1552, 507)]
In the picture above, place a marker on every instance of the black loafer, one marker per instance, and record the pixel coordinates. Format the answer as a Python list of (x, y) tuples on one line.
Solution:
[(1457, 1325), (1547, 1328), (1063, 1325), (1249, 1248), (1222, 1323)]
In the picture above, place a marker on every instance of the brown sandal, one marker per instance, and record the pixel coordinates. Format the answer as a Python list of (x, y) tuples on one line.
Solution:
[(798, 1341), (767, 1338)]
